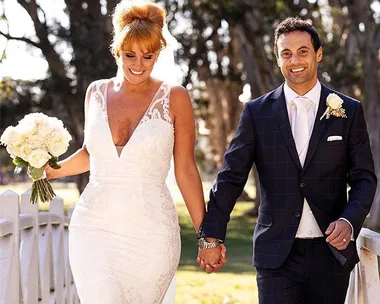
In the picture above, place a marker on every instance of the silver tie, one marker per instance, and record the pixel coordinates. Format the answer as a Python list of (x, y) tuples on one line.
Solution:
[(300, 126)]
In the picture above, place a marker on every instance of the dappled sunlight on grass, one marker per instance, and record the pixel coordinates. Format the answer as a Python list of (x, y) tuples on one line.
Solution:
[(196, 287)]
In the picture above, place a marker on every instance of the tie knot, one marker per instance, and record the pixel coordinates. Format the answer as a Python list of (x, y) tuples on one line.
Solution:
[(302, 103)]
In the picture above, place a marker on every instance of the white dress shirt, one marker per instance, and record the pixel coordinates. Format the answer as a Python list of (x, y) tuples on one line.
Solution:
[(308, 227)]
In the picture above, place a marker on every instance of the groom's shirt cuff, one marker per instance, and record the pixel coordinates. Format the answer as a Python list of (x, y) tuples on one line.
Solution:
[(352, 228)]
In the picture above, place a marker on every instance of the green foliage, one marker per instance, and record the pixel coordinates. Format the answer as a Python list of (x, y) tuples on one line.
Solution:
[(18, 161), (53, 163)]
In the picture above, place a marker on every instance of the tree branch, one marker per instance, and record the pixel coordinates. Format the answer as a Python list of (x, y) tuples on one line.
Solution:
[(27, 40), (56, 66), (4, 17)]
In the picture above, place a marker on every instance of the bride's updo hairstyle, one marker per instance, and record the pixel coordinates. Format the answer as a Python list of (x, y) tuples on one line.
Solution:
[(138, 22)]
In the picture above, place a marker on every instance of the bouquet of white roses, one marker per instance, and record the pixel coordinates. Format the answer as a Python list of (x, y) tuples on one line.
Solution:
[(37, 140)]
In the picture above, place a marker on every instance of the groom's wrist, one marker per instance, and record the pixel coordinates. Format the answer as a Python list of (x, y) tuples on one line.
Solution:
[(207, 234), (212, 239)]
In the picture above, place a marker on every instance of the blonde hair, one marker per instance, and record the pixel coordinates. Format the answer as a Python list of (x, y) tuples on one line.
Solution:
[(139, 22)]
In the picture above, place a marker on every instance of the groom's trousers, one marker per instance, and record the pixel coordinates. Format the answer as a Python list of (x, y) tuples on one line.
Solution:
[(310, 275)]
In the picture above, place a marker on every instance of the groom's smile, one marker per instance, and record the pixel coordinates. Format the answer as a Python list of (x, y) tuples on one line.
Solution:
[(297, 70)]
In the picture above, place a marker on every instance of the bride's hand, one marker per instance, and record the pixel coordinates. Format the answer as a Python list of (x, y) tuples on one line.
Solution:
[(49, 171)]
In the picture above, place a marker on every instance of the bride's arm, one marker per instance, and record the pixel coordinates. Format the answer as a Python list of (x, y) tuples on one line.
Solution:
[(77, 163), (185, 168)]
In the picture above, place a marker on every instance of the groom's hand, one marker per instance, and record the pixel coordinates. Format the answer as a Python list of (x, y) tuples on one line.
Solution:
[(339, 234)]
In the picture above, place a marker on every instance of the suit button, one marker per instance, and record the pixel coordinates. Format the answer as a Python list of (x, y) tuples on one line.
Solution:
[(303, 185), (297, 214)]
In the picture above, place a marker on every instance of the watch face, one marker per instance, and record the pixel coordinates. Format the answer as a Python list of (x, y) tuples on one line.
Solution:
[(202, 243)]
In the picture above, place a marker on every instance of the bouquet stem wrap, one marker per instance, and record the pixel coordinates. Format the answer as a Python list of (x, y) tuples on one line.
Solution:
[(41, 189)]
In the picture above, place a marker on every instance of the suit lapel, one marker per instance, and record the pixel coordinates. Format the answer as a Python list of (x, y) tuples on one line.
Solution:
[(281, 114), (319, 126)]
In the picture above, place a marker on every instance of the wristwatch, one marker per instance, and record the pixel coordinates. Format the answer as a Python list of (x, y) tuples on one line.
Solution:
[(203, 244)]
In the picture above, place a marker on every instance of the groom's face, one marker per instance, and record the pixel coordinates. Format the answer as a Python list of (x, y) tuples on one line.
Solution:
[(298, 61)]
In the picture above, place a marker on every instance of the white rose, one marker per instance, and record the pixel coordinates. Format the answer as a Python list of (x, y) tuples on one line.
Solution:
[(13, 150), (44, 130), (334, 101), (58, 142), (26, 128), (55, 122), (34, 118), (57, 148), (11, 136), (38, 158), (25, 152), (36, 142)]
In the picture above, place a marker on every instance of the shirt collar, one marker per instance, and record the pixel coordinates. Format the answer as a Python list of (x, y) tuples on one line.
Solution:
[(313, 95)]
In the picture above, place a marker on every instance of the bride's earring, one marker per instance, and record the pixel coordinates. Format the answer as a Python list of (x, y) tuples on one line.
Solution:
[(119, 77)]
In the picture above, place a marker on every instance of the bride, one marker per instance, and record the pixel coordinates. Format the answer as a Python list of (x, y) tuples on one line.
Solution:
[(124, 243)]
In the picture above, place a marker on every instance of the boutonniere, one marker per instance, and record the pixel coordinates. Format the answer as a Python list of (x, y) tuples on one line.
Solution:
[(334, 107)]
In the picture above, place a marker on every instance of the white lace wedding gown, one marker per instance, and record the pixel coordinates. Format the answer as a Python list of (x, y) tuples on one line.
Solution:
[(124, 242)]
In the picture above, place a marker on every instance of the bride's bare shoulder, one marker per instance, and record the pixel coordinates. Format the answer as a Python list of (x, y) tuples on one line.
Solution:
[(178, 92), (180, 101)]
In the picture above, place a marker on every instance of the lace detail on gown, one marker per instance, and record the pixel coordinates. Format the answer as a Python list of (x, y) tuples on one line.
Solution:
[(124, 233)]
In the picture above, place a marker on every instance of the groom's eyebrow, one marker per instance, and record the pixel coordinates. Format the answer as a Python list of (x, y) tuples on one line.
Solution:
[(301, 47), (285, 50)]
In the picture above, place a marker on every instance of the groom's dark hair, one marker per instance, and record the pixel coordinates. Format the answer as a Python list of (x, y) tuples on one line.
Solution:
[(293, 24)]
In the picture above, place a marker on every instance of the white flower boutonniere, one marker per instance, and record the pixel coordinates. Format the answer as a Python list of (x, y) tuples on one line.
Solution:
[(334, 107)]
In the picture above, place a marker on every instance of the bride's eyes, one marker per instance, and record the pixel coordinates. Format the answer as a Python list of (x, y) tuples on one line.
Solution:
[(133, 56)]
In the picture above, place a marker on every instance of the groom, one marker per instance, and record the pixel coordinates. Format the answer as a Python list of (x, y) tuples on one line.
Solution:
[(308, 143)]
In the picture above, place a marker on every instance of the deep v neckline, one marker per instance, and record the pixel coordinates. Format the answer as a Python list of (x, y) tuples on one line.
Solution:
[(138, 123)]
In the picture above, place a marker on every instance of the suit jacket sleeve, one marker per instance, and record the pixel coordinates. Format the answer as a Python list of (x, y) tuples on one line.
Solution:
[(361, 175), (231, 179)]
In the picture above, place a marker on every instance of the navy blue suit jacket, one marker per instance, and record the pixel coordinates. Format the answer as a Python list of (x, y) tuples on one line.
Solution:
[(264, 137)]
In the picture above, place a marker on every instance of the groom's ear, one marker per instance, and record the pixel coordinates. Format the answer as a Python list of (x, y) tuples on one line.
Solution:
[(319, 54)]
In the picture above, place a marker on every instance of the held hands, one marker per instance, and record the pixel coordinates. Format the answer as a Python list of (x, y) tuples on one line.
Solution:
[(339, 234), (212, 259)]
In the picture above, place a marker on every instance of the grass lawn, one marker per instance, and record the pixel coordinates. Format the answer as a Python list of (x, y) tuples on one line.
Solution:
[(235, 284)]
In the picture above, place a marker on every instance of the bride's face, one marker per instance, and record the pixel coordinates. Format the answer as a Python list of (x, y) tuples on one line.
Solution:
[(137, 64)]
